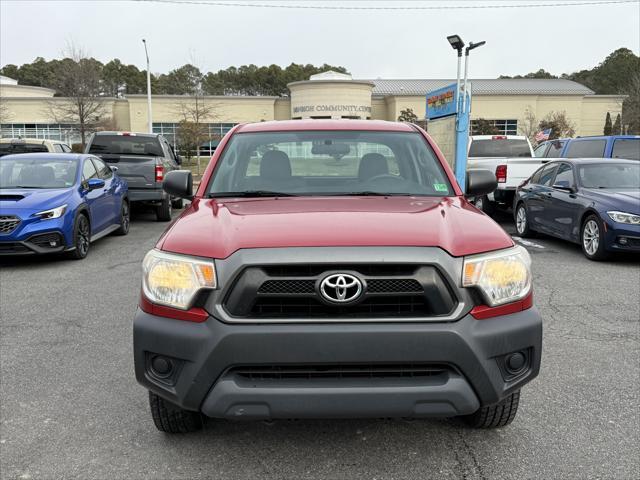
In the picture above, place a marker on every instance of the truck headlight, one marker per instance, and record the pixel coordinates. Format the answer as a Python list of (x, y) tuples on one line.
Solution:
[(174, 280), (623, 217), (52, 213), (502, 277)]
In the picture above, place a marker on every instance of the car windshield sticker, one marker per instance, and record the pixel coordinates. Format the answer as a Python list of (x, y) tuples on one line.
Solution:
[(441, 187)]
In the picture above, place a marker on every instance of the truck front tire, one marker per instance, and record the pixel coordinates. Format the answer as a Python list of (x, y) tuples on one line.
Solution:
[(170, 418), (498, 415)]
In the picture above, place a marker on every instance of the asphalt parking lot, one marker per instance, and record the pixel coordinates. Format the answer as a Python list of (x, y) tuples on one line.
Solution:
[(71, 407)]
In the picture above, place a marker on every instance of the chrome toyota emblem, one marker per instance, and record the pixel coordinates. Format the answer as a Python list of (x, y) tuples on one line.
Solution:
[(340, 288)]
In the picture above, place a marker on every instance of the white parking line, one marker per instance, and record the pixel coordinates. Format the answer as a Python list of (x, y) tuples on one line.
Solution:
[(527, 243)]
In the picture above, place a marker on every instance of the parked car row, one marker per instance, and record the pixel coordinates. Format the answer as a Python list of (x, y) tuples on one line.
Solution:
[(53, 201)]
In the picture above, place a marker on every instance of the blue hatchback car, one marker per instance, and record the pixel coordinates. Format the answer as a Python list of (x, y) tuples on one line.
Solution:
[(594, 202), (51, 203)]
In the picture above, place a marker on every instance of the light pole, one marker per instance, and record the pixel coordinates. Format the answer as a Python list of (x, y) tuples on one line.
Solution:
[(466, 69), (457, 44), (148, 88), (462, 110)]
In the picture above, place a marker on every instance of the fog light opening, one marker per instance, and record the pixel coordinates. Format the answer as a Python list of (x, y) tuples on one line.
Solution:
[(515, 362), (161, 367), (623, 240)]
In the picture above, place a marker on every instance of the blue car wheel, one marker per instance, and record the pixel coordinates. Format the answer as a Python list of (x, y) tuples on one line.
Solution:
[(81, 237), (125, 218)]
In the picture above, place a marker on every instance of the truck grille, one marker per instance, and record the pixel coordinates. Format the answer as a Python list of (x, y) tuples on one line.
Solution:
[(292, 292), (8, 223)]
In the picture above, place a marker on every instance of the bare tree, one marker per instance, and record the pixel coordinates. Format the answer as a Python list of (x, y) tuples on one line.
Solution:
[(529, 125), (195, 112), (78, 85), (561, 126)]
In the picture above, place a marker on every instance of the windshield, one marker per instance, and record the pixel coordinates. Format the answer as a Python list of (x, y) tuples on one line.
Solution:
[(37, 173), (610, 175), (126, 145), (328, 163), (499, 147), (20, 147)]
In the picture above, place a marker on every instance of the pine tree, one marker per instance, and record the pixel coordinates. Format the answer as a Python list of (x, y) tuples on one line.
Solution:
[(607, 124), (617, 127)]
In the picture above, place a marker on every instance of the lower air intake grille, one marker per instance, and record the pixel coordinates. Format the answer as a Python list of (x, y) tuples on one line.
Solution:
[(280, 372), (12, 247)]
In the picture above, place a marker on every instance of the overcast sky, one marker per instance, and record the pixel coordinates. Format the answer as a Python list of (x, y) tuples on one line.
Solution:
[(370, 44)]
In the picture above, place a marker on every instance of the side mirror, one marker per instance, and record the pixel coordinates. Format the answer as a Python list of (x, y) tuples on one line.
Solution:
[(95, 183), (564, 186), (179, 159), (113, 168), (480, 182), (179, 183)]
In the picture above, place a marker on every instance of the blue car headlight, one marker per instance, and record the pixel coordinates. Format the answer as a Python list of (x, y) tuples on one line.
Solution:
[(623, 217), (52, 213)]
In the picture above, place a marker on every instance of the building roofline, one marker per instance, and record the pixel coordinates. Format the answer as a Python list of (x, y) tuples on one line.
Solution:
[(325, 81), (226, 97)]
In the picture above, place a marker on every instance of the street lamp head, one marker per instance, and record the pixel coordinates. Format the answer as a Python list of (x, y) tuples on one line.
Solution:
[(456, 42), (475, 45)]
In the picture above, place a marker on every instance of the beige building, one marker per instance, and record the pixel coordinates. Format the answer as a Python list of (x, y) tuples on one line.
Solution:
[(26, 111)]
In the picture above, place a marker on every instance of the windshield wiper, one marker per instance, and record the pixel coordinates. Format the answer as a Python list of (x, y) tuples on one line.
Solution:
[(251, 193), (24, 186), (368, 193)]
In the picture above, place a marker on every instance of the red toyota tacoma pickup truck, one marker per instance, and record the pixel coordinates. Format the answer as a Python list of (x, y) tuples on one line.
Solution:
[(334, 269)]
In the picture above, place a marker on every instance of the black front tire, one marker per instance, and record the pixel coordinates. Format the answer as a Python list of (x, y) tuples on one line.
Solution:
[(125, 218), (163, 211), (170, 418), (483, 203), (81, 238), (498, 415), (177, 204)]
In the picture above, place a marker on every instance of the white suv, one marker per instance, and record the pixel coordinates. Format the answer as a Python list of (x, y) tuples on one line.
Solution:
[(31, 145)]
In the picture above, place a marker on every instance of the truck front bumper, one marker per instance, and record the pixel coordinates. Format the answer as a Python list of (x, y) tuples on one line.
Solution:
[(264, 371)]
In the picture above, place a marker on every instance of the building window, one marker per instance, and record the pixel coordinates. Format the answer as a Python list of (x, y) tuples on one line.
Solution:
[(504, 127), (67, 133), (215, 132)]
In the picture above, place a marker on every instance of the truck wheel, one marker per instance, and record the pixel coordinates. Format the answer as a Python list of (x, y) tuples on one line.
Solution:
[(125, 219), (170, 418), (178, 204), (483, 203), (81, 238), (163, 211), (500, 414), (592, 239), (521, 219)]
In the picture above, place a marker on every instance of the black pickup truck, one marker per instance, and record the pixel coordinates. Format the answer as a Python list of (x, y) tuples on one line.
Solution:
[(142, 159)]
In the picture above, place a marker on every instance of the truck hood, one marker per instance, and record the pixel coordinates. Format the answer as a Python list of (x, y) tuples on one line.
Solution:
[(32, 198), (217, 228)]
